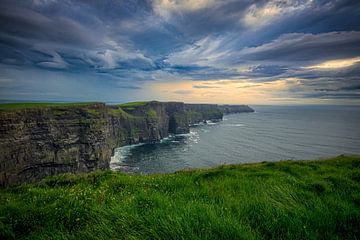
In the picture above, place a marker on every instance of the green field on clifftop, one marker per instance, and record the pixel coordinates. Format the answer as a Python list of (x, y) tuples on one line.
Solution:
[(270, 200), (132, 105), (24, 105)]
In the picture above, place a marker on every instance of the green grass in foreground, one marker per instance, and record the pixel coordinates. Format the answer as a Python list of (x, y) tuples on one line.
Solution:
[(23, 105), (282, 200)]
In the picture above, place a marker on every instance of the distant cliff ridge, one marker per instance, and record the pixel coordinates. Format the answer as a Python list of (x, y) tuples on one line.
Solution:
[(39, 141), (227, 109)]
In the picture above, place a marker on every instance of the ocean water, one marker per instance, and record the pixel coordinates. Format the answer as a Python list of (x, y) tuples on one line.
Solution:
[(272, 133)]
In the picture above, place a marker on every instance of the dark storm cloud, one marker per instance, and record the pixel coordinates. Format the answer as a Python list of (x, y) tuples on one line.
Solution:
[(27, 26), (127, 42), (353, 87), (52, 34), (196, 72), (266, 70)]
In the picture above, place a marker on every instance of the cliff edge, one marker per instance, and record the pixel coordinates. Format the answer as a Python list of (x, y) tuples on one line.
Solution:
[(42, 140)]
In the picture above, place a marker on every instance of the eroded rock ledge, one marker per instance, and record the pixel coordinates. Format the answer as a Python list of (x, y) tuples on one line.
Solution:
[(39, 142)]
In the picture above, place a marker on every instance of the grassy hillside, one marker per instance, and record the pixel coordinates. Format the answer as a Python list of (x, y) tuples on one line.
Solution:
[(282, 200)]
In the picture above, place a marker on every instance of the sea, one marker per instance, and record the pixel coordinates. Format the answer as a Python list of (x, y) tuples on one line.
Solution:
[(271, 133)]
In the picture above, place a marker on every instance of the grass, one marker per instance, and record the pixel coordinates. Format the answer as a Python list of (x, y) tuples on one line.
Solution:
[(24, 105), (132, 105), (270, 200)]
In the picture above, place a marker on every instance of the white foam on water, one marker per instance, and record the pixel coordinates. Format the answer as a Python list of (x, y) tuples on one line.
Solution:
[(120, 155), (184, 135), (234, 125), (191, 133), (209, 122), (165, 139), (197, 124)]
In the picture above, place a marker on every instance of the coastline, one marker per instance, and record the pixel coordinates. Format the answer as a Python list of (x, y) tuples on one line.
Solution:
[(43, 139)]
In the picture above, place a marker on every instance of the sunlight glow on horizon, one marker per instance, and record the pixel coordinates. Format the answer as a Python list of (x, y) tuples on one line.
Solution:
[(228, 92)]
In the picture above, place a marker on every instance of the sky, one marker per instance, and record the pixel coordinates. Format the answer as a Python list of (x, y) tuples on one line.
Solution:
[(200, 51)]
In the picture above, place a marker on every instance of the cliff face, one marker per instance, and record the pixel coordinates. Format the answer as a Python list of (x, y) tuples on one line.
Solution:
[(202, 112), (38, 142)]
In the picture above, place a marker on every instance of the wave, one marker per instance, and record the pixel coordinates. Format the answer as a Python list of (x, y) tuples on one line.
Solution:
[(120, 155), (234, 125), (191, 133)]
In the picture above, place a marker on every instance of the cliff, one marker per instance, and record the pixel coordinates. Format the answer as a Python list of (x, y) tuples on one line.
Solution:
[(201, 112), (36, 142), (227, 109)]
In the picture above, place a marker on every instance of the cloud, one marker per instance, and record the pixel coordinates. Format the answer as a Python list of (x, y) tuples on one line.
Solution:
[(297, 47), (204, 86), (258, 16), (351, 88), (204, 52), (335, 64), (124, 44), (129, 87), (182, 5), (183, 92), (265, 70), (68, 38), (5, 80), (43, 2), (250, 86), (55, 61), (165, 7), (25, 24), (325, 95), (118, 57)]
